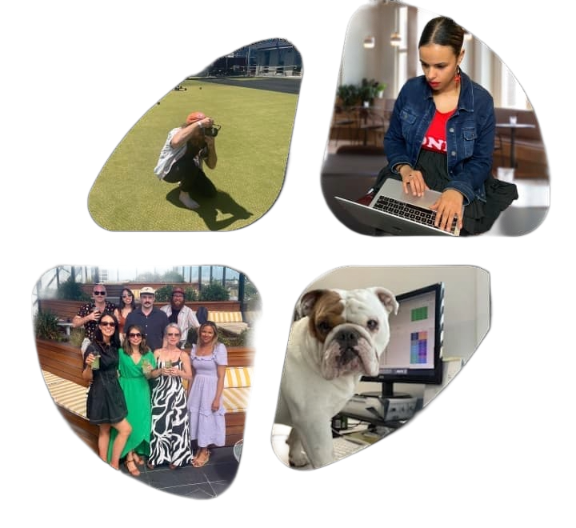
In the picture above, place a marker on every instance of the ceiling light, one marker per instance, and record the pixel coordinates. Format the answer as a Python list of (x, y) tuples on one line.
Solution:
[(369, 42)]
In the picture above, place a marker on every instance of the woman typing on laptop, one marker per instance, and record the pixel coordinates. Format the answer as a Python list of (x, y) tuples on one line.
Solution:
[(441, 136)]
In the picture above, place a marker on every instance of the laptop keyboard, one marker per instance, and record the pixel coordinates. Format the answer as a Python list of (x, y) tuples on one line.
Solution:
[(409, 212)]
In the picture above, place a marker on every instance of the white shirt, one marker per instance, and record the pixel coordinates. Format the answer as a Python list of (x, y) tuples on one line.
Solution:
[(169, 155), (186, 319)]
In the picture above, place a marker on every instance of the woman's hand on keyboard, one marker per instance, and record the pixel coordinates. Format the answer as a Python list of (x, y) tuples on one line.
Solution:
[(412, 181), (448, 207)]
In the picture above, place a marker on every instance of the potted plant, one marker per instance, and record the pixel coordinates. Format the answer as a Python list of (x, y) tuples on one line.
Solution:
[(380, 87), (46, 325), (348, 95), (368, 91)]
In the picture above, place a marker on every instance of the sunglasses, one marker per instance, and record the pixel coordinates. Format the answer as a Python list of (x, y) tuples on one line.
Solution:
[(134, 335), (108, 323), (99, 293), (172, 334)]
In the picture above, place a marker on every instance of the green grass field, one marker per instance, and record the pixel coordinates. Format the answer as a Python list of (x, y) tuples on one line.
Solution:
[(252, 149)]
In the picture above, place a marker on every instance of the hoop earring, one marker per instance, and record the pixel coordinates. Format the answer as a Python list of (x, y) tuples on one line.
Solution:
[(457, 75)]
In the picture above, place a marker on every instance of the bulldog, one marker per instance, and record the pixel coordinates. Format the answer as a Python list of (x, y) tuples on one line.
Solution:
[(338, 336)]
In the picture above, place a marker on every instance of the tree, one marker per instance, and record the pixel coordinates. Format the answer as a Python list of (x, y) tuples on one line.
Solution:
[(214, 292), (71, 291), (172, 276), (148, 276)]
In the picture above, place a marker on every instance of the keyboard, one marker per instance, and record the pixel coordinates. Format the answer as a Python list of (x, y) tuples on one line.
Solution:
[(344, 447), (414, 213)]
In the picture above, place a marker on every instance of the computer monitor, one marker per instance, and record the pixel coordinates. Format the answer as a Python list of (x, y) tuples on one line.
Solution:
[(414, 352)]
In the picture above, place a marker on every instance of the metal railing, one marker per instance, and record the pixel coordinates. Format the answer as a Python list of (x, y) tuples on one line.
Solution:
[(49, 283)]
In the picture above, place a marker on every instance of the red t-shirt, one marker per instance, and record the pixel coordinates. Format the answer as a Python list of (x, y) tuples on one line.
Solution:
[(435, 137)]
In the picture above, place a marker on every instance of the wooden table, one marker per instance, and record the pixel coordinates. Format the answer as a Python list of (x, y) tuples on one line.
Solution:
[(377, 117), (512, 127)]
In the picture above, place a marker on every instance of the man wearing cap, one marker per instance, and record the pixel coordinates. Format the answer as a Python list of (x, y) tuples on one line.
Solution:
[(182, 315), (151, 319), (183, 155)]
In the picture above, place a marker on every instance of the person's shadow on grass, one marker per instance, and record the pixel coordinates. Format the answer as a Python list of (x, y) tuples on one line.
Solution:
[(209, 208)]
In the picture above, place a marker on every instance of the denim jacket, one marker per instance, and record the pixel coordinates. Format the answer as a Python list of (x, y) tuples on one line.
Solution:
[(469, 133)]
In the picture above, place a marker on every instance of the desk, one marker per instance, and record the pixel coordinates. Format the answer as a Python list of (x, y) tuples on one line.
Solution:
[(512, 127)]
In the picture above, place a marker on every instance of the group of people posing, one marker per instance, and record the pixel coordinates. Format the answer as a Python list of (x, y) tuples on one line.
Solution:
[(145, 411)]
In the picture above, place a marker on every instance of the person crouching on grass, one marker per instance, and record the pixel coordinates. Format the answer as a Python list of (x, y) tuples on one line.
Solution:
[(183, 155)]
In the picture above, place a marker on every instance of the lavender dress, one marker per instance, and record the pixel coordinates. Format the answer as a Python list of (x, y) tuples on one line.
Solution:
[(206, 426)]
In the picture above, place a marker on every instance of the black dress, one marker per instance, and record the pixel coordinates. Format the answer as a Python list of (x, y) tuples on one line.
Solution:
[(105, 403)]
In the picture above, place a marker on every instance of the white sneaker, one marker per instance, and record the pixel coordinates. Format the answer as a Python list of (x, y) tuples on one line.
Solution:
[(187, 201)]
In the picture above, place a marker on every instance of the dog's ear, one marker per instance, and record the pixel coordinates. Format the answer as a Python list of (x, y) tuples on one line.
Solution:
[(307, 302), (387, 298)]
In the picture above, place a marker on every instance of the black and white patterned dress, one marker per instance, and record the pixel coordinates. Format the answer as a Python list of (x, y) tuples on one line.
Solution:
[(170, 438)]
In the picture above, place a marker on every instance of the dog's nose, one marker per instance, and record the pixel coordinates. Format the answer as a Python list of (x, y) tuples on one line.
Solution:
[(347, 338)]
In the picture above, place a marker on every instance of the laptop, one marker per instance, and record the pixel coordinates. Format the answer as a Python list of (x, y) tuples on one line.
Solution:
[(398, 213)]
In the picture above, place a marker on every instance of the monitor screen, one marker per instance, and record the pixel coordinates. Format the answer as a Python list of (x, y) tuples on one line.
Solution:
[(414, 352)]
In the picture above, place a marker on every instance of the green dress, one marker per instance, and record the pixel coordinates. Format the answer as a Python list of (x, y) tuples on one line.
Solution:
[(136, 390)]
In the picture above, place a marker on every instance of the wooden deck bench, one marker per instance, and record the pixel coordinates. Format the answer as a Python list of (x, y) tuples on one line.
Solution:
[(230, 322), (235, 398), (61, 366), (236, 391)]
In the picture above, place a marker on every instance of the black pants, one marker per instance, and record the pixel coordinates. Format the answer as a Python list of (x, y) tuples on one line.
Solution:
[(192, 179), (479, 216)]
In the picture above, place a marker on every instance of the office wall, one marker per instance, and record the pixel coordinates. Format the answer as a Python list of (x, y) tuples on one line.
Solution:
[(466, 299)]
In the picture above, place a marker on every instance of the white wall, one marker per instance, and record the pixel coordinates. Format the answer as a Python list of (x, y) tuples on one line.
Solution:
[(377, 63), (466, 299)]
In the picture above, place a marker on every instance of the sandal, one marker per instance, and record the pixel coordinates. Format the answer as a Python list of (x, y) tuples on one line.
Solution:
[(131, 467), (139, 460), (150, 466), (201, 461)]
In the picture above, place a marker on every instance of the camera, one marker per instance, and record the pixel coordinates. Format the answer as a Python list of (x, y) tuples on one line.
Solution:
[(212, 131)]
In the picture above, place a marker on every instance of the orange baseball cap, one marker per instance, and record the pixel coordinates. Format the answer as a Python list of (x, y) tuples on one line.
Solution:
[(194, 116)]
